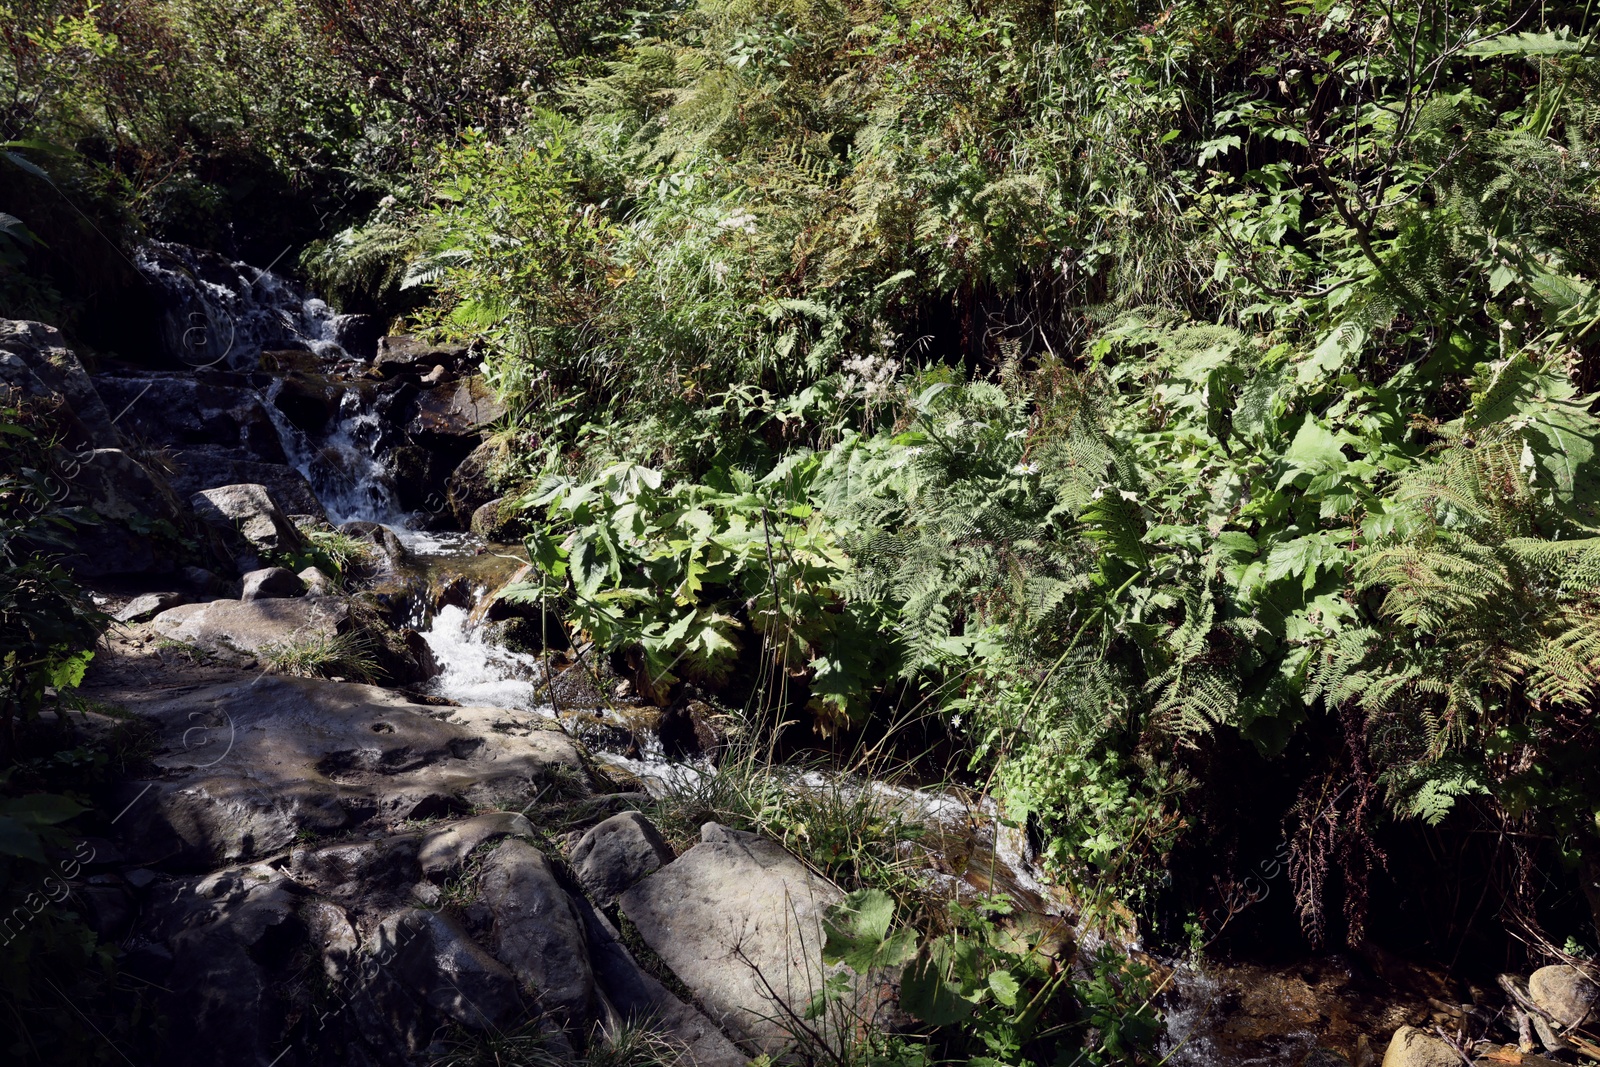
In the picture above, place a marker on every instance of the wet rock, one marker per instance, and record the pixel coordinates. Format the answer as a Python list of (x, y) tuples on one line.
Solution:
[(1563, 991), (1324, 1057), (252, 625), (400, 354), (419, 478), (738, 920), (35, 360), (198, 467), (316, 583), (357, 335), (459, 409), (1411, 1047), (445, 849), (614, 855), (248, 765), (686, 729), (471, 484), (179, 411), (537, 931), (271, 583), (143, 607), (249, 521), (309, 401)]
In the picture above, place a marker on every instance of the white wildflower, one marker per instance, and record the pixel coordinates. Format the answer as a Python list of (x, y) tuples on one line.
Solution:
[(872, 378), (1025, 468)]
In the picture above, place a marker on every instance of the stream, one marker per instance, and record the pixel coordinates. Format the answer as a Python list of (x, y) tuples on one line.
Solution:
[(229, 318)]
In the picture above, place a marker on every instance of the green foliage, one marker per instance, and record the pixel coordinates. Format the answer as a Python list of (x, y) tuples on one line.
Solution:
[(984, 993)]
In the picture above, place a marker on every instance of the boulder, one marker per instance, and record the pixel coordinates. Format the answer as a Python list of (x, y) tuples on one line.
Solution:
[(250, 626), (739, 921), (494, 522), (400, 354), (1411, 1047), (270, 583), (178, 411), (198, 467), (471, 484), (317, 583), (143, 607), (379, 536), (1564, 991), (537, 931), (114, 485), (249, 522), (35, 360), (617, 853), (134, 507), (458, 409)]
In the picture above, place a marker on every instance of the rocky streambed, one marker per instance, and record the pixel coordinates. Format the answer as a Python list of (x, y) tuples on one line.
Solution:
[(318, 870)]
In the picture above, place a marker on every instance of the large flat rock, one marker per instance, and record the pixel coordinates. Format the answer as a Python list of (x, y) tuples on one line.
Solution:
[(739, 921), (252, 764), (252, 625)]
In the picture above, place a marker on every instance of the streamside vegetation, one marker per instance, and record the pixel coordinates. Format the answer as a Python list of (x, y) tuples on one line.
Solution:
[(1181, 414), (1187, 406)]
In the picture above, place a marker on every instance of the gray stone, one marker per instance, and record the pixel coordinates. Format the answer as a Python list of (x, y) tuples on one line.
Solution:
[(249, 765), (1563, 991), (182, 410), (1411, 1047), (440, 966), (614, 855), (537, 931), (365, 874), (471, 484), (271, 583), (317, 583), (446, 848), (143, 607), (35, 359), (230, 935), (249, 521), (739, 921), (458, 409), (130, 500), (197, 467), (249, 626)]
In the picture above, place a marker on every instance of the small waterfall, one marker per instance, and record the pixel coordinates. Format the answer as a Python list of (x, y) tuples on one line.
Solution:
[(342, 464), (221, 313), (477, 672)]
